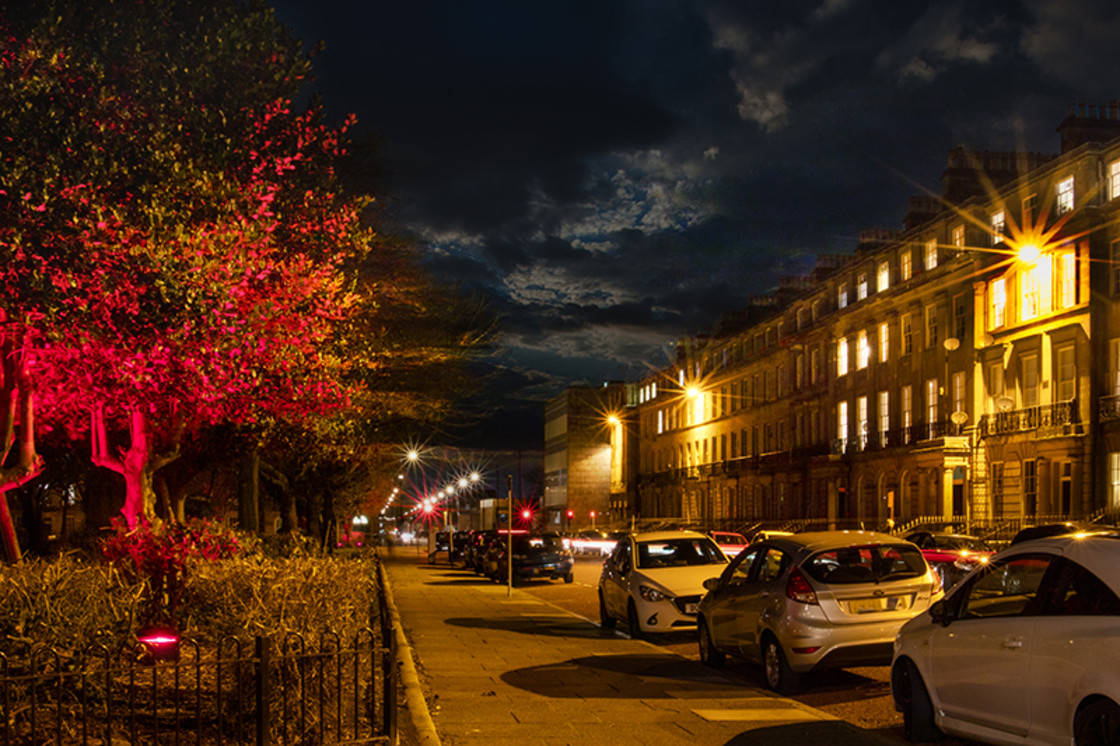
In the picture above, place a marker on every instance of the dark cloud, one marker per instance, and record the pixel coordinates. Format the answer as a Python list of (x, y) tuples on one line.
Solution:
[(613, 174)]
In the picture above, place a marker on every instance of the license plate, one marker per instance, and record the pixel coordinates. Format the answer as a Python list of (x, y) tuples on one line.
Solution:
[(691, 608), (872, 605)]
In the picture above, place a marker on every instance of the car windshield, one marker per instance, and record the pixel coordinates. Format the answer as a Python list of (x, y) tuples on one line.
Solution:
[(865, 564), (678, 552), (966, 543)]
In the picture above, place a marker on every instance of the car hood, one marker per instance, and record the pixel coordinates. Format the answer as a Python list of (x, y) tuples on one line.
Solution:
[(679, 581)]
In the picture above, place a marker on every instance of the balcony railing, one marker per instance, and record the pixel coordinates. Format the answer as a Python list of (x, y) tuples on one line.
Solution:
[(1108, 408), (1030, 418)]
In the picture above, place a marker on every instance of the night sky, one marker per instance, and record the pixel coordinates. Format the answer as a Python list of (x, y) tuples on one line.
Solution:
[(614, 174)]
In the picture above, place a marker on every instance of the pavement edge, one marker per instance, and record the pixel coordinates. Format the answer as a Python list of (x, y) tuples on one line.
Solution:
[(415, 701)]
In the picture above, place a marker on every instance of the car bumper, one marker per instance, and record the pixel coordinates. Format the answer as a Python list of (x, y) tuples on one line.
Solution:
[(664, 616), (843, 646)]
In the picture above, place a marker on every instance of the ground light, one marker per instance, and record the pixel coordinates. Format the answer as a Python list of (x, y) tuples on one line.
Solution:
[(159, 643)]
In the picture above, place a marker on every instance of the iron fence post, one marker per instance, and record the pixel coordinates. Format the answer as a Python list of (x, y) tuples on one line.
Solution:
[(262, 691)]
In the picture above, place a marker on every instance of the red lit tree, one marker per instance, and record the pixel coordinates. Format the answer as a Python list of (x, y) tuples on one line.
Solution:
[(169, 222)]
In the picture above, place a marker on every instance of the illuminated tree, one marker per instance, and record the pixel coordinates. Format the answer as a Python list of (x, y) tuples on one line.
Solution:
[(170, 235)]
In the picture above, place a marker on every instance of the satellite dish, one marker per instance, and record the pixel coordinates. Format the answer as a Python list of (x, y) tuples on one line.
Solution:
[(1004, 403), (959, 417), (951, 343)]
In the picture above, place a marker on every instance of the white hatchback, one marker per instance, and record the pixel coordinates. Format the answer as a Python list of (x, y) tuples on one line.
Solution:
[(1026, 650), (653, 581)]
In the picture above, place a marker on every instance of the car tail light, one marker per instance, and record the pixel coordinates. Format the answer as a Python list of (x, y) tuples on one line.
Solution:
[(798, 588), (938, 586)]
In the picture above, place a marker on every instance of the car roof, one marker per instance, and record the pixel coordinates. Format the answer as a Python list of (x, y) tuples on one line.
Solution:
[(1094, 549), (665, 535), (817, 540)]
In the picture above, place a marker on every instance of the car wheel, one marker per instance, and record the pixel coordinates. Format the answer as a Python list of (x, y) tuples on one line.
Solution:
[(1097, 724), (779, 676), (606, 621), (709, 654), (569, 577), (634, 626), (917, 709)]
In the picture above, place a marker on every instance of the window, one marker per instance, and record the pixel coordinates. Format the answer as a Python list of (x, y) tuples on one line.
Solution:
[(906, 408), (1067, 373), (660, 421), (905, 267), (959, 391), (1067, 278), (1030, 380), (958, 236), (841, 356), (1065, 195), (861, 421), (931, 401), (1003, 589), (995, 385), (884, 416), (842, 422), (1030, 210), (863, 350), (815, 365), (930, 254), (799, 370), (842, 295), (1030, 487), (907, 334), (883, 279), (998, 222), (1114, 478), (995, 478), (1114, 180), (960, 316), (1114, 257), (998, 294), (1114, 367), (1029, 296), (861, 286), (931, 327), (884, 342), (815, 311)]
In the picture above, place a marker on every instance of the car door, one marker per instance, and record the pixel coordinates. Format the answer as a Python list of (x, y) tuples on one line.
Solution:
[(723, 616), (1074, 643), (616, 579), (759, 597), (980, 661)]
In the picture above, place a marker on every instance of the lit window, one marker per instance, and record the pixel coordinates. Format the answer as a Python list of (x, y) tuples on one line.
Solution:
[(1065, 196), (1029, 301), (958, 236), (907, 334), (1067, 374), (863, 350), (907, 410), (930, 254), (883, 280), (1114, 479), (660, 421), (861, 420), (884, 342), (884, 416), (998, 224), (1030, 380), (1067, 279), (1114, 367), (842, 295), (995, 385), (861, 286), (1114, 180), (958, 391), (842, 422), (841, 356), (931, 401), (932, 338), (998, 295), (905, 266)]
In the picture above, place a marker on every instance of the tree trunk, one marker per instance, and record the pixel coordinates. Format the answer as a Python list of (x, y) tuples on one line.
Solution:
[(249, 491), (17, 401), (138, 466)]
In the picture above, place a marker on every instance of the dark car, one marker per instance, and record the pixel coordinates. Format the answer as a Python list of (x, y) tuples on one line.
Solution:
[(1055, 529), (475, 555), (534, 556), (951, 556)]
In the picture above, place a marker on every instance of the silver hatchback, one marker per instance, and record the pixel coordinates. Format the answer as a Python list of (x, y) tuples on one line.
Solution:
[(829, 599)]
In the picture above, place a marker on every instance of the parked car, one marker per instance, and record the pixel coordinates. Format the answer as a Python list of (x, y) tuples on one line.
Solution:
[(802, 602), (1055, 529), (653, 581), (952, 556), (729, 542), (534, 556), (476, 549), (1023, 651)]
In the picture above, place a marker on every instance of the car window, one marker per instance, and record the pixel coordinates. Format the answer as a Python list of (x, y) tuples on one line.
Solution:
[(740, 568), (621, 556), (1078, 592), (923, 540), (772, 564), (1006, 588), (679, 552), (863, 564)]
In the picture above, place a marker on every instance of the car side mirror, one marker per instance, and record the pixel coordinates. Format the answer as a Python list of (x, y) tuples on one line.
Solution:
[(939, 614), (711, 584)]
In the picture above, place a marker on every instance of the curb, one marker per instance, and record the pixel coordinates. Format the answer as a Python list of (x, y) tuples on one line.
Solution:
[(413, 692)]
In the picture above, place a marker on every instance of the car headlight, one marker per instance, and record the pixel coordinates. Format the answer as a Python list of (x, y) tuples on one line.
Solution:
[(651, 594)]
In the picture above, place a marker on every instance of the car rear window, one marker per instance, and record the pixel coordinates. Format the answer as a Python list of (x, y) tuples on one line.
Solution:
[(538, 543), (865, 564), (678, 553)]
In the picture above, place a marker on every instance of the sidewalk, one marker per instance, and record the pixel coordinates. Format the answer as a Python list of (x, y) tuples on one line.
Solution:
[(511, 669)]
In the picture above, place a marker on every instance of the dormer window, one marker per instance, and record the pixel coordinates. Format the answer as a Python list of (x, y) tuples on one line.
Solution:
[(842, 295), (905, 265), (998, 223), (861, 286), (930, 254), (1065, 196), (883, 280)]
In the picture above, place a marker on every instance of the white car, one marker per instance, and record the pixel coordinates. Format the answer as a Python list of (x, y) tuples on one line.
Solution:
[(653, 581), (1025, 650)]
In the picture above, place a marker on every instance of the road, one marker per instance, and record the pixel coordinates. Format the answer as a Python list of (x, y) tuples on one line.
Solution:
[(860, 696)]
